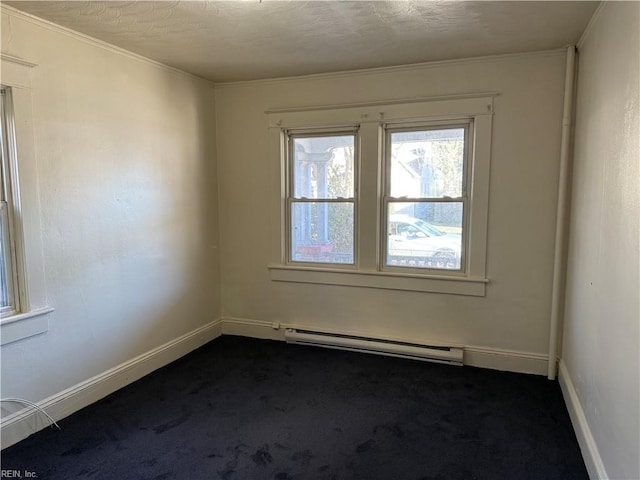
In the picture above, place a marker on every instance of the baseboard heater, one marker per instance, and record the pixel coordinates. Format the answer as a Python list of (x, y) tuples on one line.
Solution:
[(428, 353)]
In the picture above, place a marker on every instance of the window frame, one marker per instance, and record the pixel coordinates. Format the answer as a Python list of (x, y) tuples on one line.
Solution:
[(289, 136), (372, 118), (387, 198), (33, 315)]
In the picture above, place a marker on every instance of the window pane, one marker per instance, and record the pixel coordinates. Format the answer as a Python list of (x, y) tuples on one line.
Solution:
[(427, 163), (323, 167), (322, 232), (425, 235)]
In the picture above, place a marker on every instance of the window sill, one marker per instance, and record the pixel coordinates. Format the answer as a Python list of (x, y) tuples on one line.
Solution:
[(24, 325), (385, 280)]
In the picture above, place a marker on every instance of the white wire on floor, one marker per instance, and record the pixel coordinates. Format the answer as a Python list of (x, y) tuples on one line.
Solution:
[(32, 405)]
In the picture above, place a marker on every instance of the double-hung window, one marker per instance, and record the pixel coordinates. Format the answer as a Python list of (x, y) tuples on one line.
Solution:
[(390, 195), (321, 199), (425, 196)]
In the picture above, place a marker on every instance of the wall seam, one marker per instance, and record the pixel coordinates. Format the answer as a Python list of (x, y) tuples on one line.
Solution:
[(589, 27)]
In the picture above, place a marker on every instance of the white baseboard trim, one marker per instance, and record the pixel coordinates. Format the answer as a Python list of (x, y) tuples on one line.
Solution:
[(587, 442), (506, 360), (483, 357), (21, 424), (244, 327)]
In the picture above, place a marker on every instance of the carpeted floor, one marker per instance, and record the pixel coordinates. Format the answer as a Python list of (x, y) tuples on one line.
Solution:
[(241, 408)]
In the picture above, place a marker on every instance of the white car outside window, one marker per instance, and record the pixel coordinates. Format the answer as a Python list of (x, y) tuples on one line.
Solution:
[(414, 242)]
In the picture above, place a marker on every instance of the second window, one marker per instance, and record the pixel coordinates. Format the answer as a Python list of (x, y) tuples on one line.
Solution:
[(425, 197)]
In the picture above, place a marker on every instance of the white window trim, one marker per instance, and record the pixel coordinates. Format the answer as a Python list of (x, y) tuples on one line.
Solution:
[(371, 118), (32, 317)]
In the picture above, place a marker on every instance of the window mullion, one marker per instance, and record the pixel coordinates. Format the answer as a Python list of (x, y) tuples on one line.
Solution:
[(368, 221)]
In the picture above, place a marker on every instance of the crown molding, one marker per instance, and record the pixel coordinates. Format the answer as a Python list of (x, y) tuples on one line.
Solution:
[(19, 61), (589, 27), (393, 69)]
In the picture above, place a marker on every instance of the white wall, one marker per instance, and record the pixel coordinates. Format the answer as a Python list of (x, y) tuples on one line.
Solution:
[(127, 182), (514, 315), (600, 359)]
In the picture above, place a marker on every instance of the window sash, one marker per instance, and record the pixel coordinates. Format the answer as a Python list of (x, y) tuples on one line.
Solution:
[(291, 168), (390, 129), (339, 258), (424, 259)]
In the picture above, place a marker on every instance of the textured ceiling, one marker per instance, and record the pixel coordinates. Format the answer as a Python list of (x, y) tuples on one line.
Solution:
[(245, 40)]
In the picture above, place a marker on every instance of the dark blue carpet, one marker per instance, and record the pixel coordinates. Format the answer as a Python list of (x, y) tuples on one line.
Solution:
[(242, 408)]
